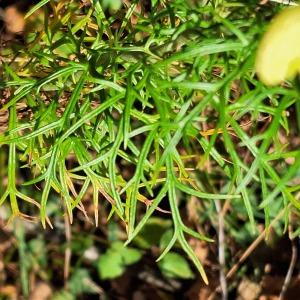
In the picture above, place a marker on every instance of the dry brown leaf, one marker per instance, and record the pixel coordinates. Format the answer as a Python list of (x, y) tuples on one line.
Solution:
[(14, 20), (200, 291), (42, 291), (201, 249), (248, 290), (268, 297), (10, 291)]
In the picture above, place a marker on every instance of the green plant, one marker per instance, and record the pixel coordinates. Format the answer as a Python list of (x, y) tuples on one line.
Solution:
[(174, 265), (114, 261), (170, 94)]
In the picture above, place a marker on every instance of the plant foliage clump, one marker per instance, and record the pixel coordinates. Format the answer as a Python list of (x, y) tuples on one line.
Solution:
[(147, 106)]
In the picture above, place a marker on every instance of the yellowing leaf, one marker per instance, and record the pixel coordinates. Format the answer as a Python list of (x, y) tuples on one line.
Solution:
[(278, 56)]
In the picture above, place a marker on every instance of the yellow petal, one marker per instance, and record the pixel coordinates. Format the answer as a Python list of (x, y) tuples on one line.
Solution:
[(278, 55)]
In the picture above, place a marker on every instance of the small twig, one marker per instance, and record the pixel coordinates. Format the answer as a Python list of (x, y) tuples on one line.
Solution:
[(286, 2), (247, 253), (221, 250), (68, 253), (94, 287), (20, 235), (290, 271), (2, 13)]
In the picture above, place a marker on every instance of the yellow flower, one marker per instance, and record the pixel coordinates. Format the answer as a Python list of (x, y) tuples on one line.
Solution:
[(278, 55)]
